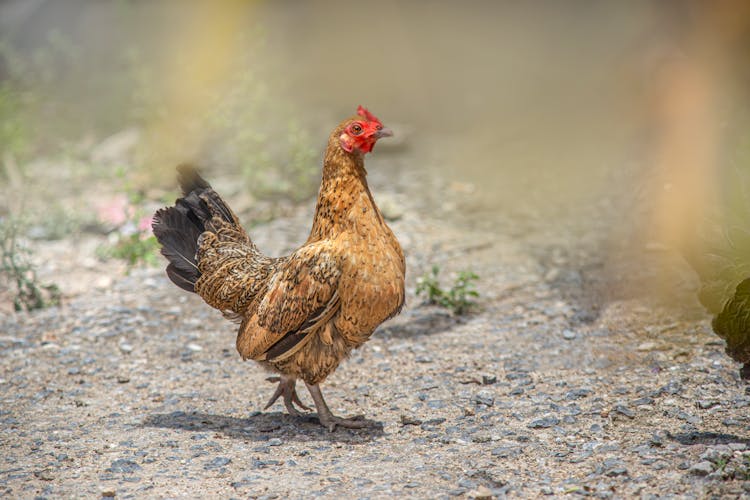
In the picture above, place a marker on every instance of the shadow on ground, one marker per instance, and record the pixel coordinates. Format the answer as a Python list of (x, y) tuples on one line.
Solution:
[(262, 426), (708, 438)]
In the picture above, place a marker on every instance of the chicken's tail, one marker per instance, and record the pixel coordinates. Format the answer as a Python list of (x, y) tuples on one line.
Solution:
[(179, 228)]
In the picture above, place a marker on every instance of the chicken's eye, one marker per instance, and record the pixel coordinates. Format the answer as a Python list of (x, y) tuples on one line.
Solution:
[(356, 129)]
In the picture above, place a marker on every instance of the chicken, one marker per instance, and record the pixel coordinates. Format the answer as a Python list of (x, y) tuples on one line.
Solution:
[(299, 315)]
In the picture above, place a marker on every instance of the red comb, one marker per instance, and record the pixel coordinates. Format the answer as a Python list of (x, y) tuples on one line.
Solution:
[(367, 115)]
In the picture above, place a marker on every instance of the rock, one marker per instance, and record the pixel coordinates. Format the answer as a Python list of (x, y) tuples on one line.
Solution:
[(481, 493), (544, 423), (703, 468), (409, 420), (489, 379), (124, 465), (705, 405), (577, 394), (123, 379), (647, 346), (125, 348), (275, 442), (485, 398), (216, 463), (624, 410), (568, 334), (108, 493), (194, 347)]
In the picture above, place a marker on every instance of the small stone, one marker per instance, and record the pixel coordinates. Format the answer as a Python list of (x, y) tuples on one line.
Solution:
[(577, 394), (624, 410), (409, 420), (108, 493), (124, 465), (544, 423), (481, 493), (568, 334), (194, 347), (738, 446), (126, 348), (489, 379), (484, 398), (703, 468), (647, 346), (216, 463), (275, 442), (123, 379), (705, 405), (468, 411), (617, 471)]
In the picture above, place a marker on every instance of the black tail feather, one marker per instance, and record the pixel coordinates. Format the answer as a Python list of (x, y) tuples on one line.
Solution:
[(178, 228), (178, 236)]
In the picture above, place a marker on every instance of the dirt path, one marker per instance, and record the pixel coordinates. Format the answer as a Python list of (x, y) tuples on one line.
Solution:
[(133, 389)]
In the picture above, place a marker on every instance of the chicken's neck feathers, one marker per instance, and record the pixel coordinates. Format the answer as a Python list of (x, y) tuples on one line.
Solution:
[(343, 188)]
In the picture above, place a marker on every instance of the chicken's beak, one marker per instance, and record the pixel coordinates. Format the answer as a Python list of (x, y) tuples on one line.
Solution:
[(383, 132)]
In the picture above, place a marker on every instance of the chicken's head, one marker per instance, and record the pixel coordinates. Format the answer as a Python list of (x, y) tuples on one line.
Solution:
[(361, 132)]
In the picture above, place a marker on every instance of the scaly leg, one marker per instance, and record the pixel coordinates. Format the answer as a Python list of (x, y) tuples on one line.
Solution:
[(288, 391), (328, 419)]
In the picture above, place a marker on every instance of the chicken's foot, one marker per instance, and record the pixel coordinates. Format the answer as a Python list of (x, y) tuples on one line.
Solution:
[(327, 418), (287, 390)]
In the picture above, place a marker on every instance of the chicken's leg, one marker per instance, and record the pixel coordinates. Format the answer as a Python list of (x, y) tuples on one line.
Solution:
[(328, 419), (288, 391)]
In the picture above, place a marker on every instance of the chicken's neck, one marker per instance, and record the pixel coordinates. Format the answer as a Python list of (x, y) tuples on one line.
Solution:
[(344, 198)]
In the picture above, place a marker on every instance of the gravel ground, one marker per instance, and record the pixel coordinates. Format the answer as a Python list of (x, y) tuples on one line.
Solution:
[(134, 389)]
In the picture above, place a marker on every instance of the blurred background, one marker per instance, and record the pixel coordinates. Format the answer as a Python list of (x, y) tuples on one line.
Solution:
[(602, 135)]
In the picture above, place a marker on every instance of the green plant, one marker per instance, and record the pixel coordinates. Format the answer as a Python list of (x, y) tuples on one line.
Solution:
[(17, 274), (458, 298), (133, 248), (132, 241)]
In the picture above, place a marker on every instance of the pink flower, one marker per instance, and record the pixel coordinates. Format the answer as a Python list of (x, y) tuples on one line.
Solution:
[(116, 211), (144, 226)]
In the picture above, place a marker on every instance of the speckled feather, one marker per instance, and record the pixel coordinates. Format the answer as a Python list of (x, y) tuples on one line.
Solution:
[(302, 314)]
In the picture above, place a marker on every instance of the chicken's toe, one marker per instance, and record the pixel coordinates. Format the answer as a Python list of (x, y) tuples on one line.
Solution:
[(287, 390)]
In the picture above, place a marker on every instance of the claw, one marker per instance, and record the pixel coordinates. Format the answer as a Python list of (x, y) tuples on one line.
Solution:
[(328, 419), (287, 390)]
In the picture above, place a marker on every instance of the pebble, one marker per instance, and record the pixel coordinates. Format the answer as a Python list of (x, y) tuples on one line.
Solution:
[(409, 420), (568, 334), (489, 379), (217, 463), (624, 410), (647, 346), (544, 423), (705, 405), (481, 493), (484, 398), (703, 468), (124, 465)]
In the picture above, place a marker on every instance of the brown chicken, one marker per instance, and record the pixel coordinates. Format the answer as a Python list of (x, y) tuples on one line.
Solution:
[(302, 314)]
